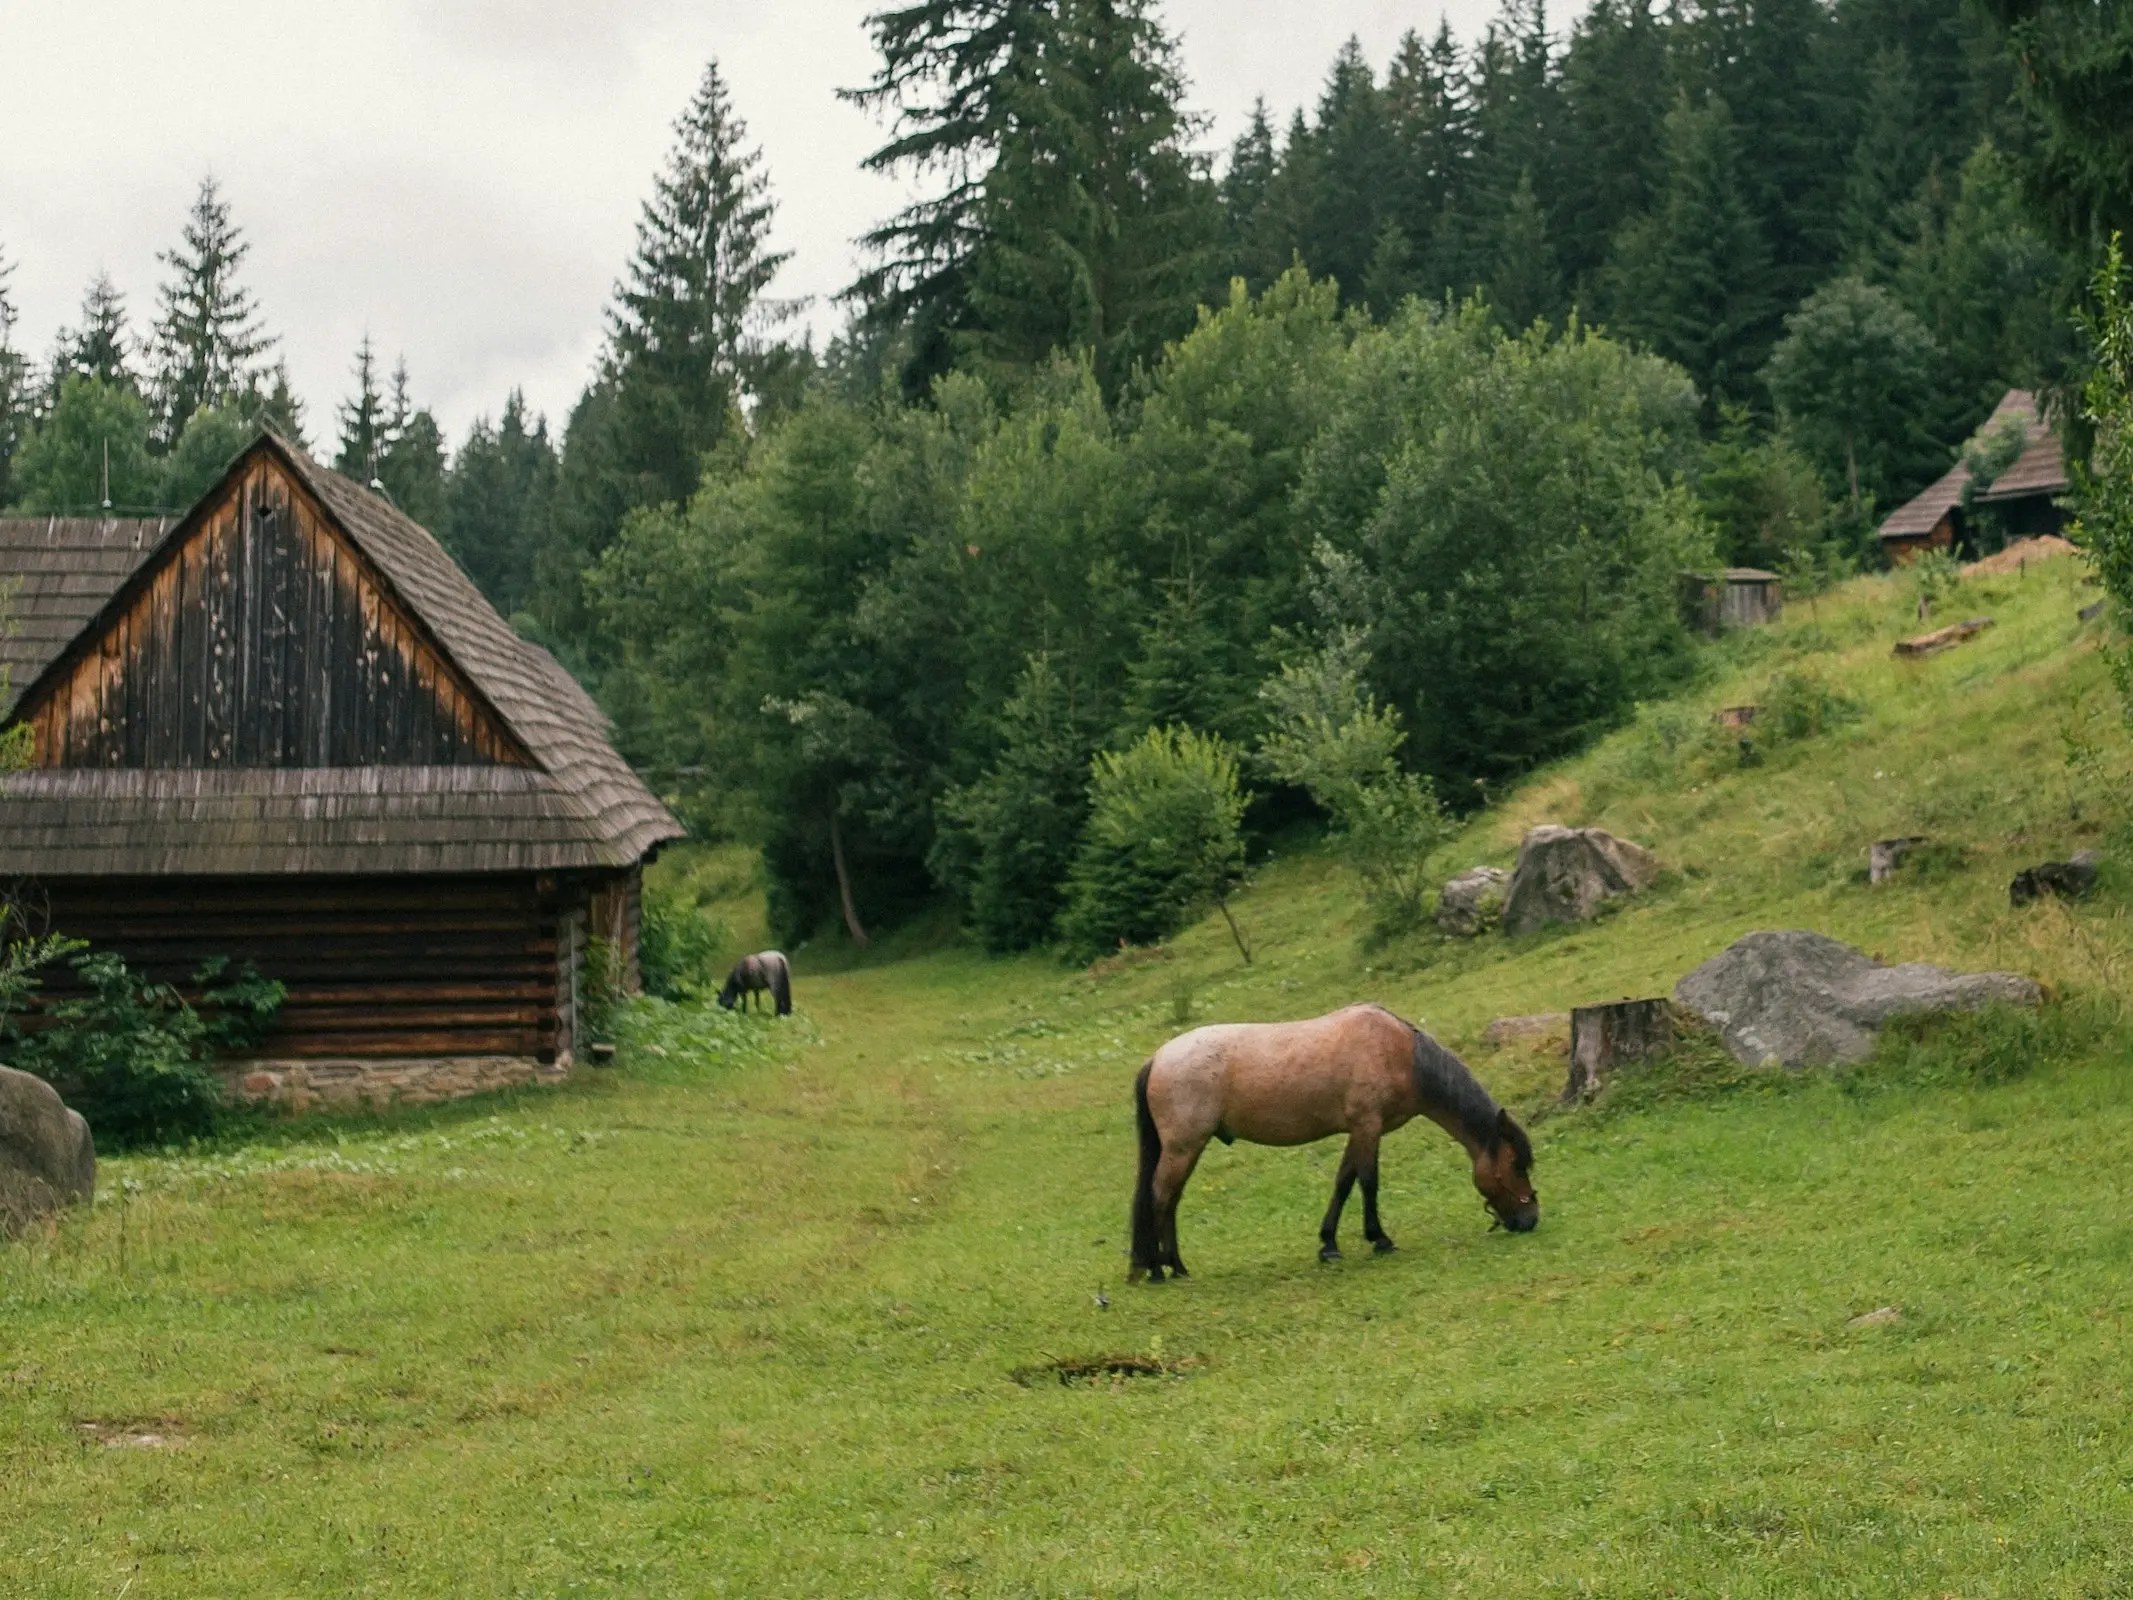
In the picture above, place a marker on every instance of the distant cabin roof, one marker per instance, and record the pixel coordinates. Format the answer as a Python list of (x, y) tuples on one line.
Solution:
[(62, 570), (2040, 469), (1921, 514), (565, 800)]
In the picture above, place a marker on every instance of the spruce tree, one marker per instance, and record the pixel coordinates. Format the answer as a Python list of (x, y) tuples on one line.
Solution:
[(1692, 279), (363, 427), (500, 504), (684, 330), (1429, 137), (1352, 167), (411, 462), (1506, 188), (1889, 164), (1074, 215), (1256, 243), (98, 348), (15, 399), (1775, 65), (208, 341), (2074, 58), (1616, 86)]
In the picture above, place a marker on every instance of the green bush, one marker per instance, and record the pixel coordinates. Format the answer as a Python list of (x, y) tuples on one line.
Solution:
[(1161, 841), (1799, 705), (1331, 737), (133, 1056), (679, 947)]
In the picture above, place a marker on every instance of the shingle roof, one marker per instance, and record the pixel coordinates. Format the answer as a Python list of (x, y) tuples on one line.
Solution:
[(1922, 513), (61, 570), (2038, 470), (579, 806)]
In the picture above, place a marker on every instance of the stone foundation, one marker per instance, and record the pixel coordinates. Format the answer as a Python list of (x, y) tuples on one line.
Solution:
[(407, 1081)]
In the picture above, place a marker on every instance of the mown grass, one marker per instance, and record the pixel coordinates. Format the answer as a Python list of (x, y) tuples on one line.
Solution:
[(744, 1316)]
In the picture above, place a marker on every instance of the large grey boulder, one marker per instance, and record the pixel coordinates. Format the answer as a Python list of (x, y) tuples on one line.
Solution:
[(1796, 999), (1566, 874), (46, 1155), (1469, 902)]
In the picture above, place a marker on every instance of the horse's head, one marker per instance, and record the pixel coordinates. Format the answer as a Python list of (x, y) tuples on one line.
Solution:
[(730, 993), (1502, 1172)]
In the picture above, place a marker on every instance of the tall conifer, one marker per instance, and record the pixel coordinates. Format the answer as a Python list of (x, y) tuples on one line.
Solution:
[(411, 462), (208, 341), (1616, 75), (99, 348), (15, 399), (362, 418), (1889, 163), (1692, 279), (501, 501), (1428, 136), (687, 317), (1256, 244), (1073, 215)]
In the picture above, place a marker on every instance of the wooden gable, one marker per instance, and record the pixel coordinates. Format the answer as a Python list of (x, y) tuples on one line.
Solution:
[(260, 637)]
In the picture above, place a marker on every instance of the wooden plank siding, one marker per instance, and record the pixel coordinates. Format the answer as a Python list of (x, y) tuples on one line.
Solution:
[(262, 639), (375, 967)]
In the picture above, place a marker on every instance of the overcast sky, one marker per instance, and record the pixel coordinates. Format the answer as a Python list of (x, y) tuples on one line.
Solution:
[(462, 177)]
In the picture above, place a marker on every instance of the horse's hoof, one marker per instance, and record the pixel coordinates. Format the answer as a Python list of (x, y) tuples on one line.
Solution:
[(1384, 1247), (1179, 1272), (1331, 1252), (1155, 1275)]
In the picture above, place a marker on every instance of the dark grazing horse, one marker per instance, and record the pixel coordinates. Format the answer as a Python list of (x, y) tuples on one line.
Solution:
[(1362, 1071), (765, 971)]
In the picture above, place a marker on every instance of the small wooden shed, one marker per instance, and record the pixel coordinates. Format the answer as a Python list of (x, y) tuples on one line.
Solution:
[(287, 729), (1737, 597)]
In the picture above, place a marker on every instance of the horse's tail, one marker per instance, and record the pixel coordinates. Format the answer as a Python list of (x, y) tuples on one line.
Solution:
[(1146, 1251), (781, 985)]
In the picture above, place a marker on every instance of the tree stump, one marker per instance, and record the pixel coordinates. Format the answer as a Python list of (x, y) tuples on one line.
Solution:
[(1884, 856), (1603, 1038)]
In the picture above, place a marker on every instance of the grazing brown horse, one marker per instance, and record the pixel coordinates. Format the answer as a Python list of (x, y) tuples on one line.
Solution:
[(1361, 1071), (766, 971)]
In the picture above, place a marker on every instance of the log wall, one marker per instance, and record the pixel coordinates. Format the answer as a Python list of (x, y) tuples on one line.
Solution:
[(401, 967)]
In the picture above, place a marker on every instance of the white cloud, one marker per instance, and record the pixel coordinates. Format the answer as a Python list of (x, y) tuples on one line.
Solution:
[(462, 177)]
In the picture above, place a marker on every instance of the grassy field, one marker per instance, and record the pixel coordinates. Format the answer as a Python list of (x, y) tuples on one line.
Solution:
[(768, 1309)]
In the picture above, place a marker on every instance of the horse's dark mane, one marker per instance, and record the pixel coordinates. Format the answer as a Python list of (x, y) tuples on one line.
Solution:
[(1443, 1081)]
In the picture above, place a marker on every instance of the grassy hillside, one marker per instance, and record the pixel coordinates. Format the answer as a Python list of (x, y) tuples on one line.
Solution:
[(746, 1315)]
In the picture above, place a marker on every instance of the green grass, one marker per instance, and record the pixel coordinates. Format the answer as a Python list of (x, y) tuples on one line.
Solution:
[(744, 1315)]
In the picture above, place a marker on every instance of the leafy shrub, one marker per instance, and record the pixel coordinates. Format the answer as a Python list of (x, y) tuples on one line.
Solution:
[(1934, 575), (1161, 841), (1799, 705), (133, 1056), (679, 946), (1331, 737)]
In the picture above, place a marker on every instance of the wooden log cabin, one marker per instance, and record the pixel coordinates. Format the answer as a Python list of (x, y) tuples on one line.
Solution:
[(2023, 498), (287, 729)]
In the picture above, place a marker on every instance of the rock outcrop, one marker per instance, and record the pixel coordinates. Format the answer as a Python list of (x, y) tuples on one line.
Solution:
[(1469, 902), (47, 1158), (1797, 999), (1567, 874)]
